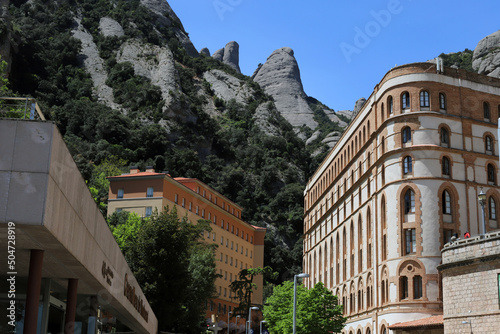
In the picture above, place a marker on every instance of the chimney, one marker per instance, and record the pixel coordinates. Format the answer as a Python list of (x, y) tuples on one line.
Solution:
[(150, 169), (134, 170)]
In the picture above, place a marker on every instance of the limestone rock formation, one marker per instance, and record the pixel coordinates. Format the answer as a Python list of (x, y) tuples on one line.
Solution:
[(228, 87), (219, 54), (332, 115), (358, 105), (109, 27), (157, 64), (280, 78), (94, 65), (229, 55), (205, 52), (166, 16), (486, 58), (232, 55)]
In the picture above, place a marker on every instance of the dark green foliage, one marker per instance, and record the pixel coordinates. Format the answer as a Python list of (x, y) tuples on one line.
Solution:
[(462, 59), (174, 266), (265, 174)]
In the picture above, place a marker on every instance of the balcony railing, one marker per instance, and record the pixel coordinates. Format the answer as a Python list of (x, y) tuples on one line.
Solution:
[(20, 107)]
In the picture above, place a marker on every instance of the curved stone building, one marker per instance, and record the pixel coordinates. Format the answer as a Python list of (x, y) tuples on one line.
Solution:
[(401, 181)]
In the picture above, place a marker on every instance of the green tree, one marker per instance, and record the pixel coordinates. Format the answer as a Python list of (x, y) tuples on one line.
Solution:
[(244, 286), (174, 266), (318, 310)]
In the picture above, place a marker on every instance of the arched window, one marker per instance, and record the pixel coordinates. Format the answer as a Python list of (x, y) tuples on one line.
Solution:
[(409, 201), (486, 111), (442, 101), (406, 135), (492, 174), (488, 143), (382, 111), (405, 101), (492, 208), (445, 166), (390, 105), (444, 136), (407, 165), (424, 99), (446, 202), (382, 144)]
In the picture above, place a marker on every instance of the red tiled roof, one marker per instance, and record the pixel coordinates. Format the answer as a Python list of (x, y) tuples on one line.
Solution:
[(138, 174), (435, 321)]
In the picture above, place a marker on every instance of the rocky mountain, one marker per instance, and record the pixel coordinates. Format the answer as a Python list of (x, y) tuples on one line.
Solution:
[(125, 85), (486, 57)]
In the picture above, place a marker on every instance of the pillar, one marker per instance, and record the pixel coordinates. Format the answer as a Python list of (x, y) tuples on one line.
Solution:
[(33, 291), (71, 295)]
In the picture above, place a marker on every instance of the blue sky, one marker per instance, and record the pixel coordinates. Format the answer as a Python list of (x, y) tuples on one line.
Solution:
[(343, 48)]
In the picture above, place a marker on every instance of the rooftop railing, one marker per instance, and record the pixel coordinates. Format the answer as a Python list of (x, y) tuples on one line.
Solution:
[(21, 108)]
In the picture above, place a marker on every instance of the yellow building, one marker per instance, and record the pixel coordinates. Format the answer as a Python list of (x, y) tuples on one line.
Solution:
[(240, 245)]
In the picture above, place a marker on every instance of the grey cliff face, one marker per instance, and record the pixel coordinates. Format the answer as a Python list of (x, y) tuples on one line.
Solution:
[(280, 78), (219, 54), (232, 55), (486, 57), (229, 55), (166, 15), (110, 28), (205, 52), (358, 105)]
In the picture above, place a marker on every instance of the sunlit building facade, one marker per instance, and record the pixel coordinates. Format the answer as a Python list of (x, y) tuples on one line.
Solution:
[(240, 245), (402, 180)]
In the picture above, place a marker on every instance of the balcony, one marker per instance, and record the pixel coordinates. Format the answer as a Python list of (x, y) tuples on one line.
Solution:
[(20, 108)]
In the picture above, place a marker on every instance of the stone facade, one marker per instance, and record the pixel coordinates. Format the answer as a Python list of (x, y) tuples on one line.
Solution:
[(402, 179), (471, 285)]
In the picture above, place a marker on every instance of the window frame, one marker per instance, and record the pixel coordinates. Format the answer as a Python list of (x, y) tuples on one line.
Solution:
[(409, 201), (120, 193), (486, 111), (442, 101), (407, 165), (410, 241), (405, 101), (492, 209), (424, 100), (446, 166)]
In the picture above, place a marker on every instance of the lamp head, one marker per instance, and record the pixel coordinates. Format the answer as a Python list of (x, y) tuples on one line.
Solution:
[(481, 197), (255, 308), (302, 275)]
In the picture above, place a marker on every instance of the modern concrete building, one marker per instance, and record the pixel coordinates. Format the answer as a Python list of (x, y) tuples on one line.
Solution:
[(402, 180), (240, 245), (471, 285), (60, 269)]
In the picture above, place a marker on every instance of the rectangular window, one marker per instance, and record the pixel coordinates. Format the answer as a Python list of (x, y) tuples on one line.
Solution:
[(222, 240), (203, 213), (150, 192), (411, 240), (176, 198), (404, 287), (183, 202), (417, 287), (384, 248), (120, 193), (197, 210), (190, 206), (149, 211)]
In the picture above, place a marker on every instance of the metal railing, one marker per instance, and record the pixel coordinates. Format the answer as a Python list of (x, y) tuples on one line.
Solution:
[(21, 108)]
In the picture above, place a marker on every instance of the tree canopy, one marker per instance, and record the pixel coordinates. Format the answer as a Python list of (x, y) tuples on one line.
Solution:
[(318, 310), (174, 266)]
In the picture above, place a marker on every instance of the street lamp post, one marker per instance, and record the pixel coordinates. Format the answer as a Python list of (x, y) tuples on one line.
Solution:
[(236, 324), (228, 314), (295, 297), (249, 315), (261, 322), (482, 201)]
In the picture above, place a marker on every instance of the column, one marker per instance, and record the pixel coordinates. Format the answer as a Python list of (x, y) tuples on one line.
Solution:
[(33, 291), (69, 322)]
